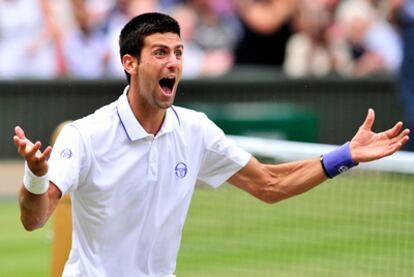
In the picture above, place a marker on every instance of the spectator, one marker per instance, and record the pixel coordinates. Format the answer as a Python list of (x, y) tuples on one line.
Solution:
[(120, 14), (62, 10), (214, 30), (29, 41), (376, 46), (403, 13), (193, 55), (167, 5), (198, 62), (223, 7), (98, 9), (316, 48), (266, 28), (83, 46)]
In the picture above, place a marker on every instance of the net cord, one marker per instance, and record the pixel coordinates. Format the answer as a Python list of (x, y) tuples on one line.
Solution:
[(285, 151)]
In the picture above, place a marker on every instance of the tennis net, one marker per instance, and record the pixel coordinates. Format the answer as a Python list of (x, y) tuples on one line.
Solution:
[(360, 223)]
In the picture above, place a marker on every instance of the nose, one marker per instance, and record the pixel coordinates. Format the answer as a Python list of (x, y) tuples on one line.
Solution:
[(173, 62)]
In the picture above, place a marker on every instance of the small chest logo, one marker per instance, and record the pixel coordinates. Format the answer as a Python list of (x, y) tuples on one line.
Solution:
[(66, 154), (181, 170)]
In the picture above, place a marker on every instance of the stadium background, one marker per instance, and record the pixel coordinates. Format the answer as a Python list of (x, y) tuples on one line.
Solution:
[(360, 224), (333, 107)]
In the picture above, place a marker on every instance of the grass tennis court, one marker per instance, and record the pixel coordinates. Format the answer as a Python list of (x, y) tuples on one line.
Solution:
[(355, 225), (22, 253)]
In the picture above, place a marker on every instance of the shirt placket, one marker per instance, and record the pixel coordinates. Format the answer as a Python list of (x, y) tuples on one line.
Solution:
[(153, 159)]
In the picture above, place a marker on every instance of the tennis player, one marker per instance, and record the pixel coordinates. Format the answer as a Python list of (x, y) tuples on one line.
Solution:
[(131, 167)]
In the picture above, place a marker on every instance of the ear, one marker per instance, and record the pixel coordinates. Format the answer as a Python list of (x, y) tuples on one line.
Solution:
[(130, 64)]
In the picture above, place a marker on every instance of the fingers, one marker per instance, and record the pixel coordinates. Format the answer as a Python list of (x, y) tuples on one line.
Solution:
[(369, 120), (27, 149), (20, 140), (403, 136), (32, 151), (21, 145), (397, 142), (394, 130), (45, 155), (396, 134), (19, 132), (17, 141), (391, 149)]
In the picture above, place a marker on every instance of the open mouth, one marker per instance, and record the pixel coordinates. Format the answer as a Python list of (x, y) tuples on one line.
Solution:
[(167, 85)]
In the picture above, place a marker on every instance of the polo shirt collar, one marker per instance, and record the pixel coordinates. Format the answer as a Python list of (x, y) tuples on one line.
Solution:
[(131, 125)]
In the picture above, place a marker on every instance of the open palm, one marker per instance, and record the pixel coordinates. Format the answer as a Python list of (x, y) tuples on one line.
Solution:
[(36, 160), (367, 145)]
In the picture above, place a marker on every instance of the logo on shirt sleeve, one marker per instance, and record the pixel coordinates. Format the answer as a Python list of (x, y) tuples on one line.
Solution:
[(66, 154), (181, 170)]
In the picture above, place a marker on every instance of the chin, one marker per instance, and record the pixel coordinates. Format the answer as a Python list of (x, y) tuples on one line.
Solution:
[(165, 105)]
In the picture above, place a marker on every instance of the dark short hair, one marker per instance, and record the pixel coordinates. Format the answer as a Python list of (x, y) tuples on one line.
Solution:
[(131, 38)]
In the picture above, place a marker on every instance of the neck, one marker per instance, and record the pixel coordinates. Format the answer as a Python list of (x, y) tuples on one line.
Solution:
[(150, 118)]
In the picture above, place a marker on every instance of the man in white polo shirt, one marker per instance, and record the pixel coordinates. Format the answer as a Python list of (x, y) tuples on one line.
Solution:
[(131, 167)]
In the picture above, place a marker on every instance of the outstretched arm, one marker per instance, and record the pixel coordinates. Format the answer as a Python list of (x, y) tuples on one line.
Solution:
[(272, 183), (35, 209)]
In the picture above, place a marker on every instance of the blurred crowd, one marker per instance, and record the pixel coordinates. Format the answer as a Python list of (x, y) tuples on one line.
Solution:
[(50, 39), (46, 39)]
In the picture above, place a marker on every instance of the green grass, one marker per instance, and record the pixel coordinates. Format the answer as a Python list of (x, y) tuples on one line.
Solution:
[(22, 253), (350, 226), (354, 225)]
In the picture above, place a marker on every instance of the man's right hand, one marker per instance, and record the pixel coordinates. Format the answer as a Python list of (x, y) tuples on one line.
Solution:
[(36, 159)]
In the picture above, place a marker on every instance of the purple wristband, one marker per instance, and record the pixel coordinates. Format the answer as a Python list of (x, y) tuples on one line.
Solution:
[(337, 161)]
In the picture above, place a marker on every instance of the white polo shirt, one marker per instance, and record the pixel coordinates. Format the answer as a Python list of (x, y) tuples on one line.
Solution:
[(131, 190)]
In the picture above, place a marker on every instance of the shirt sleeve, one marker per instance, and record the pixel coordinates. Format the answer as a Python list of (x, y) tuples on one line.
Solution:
[(222, 159), (68, 162)]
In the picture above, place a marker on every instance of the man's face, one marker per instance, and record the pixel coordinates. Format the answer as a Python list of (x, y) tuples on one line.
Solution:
[(159, 69)]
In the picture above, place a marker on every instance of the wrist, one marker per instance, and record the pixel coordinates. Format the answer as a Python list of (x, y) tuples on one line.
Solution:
[(337, 161), (33, 183)]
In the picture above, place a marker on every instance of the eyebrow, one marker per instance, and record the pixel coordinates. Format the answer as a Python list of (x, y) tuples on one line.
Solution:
[(181, 46)]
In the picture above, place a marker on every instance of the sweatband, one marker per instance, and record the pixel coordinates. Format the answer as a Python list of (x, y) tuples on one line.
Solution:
[(33, 183), (337, 161)]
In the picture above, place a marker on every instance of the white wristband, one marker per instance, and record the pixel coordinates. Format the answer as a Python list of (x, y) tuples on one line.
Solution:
[(33, 183)]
